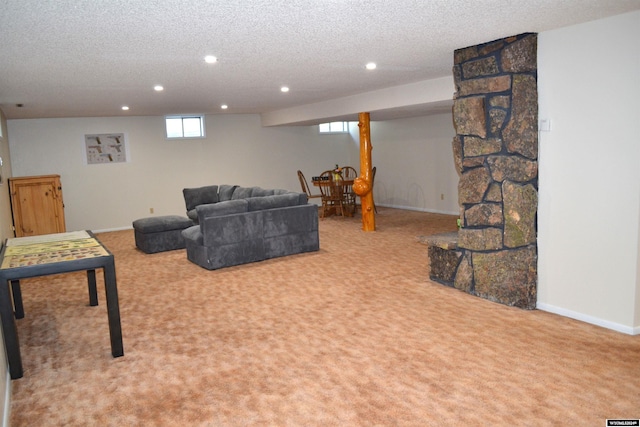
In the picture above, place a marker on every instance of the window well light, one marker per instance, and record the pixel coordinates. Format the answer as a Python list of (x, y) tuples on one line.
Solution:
[(371, 66), (158, 88), (284, 89), (125, 107), (210, 59), (224, 106)]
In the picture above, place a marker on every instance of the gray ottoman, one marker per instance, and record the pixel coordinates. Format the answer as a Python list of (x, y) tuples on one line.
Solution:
[(160, 233)]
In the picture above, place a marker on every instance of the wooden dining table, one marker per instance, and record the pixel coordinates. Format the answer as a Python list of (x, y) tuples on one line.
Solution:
[(337, 188)]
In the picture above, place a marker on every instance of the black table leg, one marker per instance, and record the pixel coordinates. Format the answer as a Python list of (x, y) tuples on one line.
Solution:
[(93, 291), (17, 299), (113, 308), (10, 331)]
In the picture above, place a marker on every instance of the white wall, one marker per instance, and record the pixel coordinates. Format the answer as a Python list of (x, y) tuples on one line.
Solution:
[(589, 206), (237, 150), (414, 161), (5, 172), (5, 232)]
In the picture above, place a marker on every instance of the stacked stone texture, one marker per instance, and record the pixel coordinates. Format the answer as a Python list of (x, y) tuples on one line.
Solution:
[(496, 154)]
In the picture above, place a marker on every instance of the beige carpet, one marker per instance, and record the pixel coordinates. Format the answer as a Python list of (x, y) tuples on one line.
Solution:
[(352, 335)]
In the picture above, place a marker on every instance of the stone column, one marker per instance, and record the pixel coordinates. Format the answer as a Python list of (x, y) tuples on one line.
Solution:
[(495, 149)]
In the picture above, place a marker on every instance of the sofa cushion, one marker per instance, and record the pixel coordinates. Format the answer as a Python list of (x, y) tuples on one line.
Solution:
[(225, 191), (303, 199), (193, 233), (221, 208), (200, 196), (271, 202), (157, 224), (259, 192), (241, 193)]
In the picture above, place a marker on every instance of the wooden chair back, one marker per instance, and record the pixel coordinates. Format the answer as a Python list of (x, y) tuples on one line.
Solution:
[(305, 187)]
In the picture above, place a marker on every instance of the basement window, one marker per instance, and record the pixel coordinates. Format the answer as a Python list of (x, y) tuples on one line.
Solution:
[(333, 127), (185, 126)]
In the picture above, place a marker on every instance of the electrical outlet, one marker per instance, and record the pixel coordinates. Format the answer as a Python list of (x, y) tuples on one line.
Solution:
[(544, 125), (150, 210)]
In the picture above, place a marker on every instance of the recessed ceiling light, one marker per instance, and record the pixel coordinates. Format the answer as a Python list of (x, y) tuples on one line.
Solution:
[(210, 59), (371, 66), (125, 107), (158, 88), (284, 89), (224, 106)]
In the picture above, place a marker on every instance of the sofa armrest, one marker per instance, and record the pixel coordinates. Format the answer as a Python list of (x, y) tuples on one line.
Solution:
[(272, 202)]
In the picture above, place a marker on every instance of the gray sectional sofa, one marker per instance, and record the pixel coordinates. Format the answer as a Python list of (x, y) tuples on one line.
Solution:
[(237, 225)]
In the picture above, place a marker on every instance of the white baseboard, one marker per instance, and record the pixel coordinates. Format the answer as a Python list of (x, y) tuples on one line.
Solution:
[(630, 330), (106, 230), (412, 208), (6, 415)]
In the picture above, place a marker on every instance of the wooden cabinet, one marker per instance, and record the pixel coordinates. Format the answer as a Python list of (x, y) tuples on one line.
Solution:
[(36, 205)]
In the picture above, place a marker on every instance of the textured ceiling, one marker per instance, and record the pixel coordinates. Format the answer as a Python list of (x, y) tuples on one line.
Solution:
[(68, 58)]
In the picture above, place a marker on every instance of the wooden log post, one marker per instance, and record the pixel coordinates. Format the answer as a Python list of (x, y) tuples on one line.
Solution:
[(363, 185)]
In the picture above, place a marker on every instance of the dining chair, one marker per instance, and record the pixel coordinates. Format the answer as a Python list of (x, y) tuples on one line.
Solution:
[(305, 187), (348, 175), (332, 198)]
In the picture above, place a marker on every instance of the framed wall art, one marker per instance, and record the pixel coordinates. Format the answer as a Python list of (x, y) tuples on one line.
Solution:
[(105, 148)]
